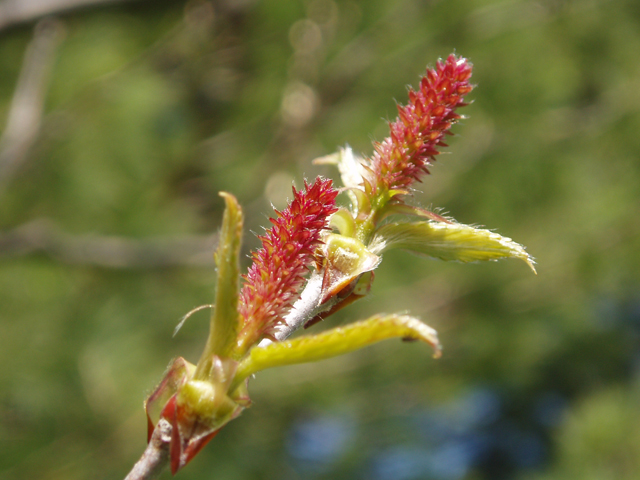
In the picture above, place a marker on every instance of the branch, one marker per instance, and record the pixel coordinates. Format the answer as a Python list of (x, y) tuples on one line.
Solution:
[(20, 11), (25, 113), (156, 456), (107, 251)]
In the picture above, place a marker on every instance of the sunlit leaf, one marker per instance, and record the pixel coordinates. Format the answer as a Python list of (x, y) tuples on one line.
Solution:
[(448, 241), (337, 341)]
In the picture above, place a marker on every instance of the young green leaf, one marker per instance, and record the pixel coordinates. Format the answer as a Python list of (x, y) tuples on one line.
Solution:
[(448, 241), (224, 317), (337, 341)]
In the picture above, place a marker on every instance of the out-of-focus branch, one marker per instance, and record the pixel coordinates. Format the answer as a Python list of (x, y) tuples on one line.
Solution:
[(25, 113), (107, 251), (19, 11)]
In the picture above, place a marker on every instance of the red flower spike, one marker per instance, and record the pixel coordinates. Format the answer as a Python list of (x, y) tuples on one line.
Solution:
[(404, 156), (279, 266)]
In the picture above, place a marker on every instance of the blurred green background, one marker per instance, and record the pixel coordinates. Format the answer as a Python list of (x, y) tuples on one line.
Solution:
[(152, 107)]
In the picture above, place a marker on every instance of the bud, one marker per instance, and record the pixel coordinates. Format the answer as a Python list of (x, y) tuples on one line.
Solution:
[(345, 260)]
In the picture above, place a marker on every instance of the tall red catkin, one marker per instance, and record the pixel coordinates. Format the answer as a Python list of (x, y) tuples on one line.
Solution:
[(400, 159), (274, 280)]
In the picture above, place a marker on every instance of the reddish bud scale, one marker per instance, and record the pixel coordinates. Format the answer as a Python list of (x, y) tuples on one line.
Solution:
[(420, 127), (278, 269)]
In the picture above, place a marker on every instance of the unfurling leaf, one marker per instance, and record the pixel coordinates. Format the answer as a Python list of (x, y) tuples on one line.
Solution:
[(337, 341), (448, 241), (350, 165), (224, 317)]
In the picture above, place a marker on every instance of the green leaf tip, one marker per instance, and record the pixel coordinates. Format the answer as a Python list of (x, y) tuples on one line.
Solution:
[(448, 241), (224, 317)]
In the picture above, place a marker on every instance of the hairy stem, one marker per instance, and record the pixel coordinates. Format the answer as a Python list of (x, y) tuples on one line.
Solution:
[(303, 310)]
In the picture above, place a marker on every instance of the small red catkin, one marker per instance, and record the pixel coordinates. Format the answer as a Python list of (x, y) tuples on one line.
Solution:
[(274, 279), (419, 130)]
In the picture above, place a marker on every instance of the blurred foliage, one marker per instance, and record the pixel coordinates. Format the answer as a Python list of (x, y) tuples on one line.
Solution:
[(154, 107)]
